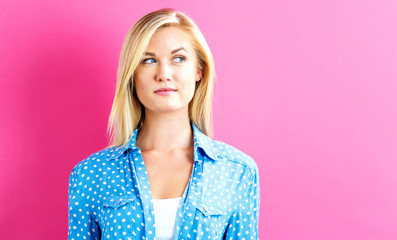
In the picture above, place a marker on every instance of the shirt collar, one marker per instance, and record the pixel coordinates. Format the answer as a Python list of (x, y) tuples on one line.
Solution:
[(200, 141)]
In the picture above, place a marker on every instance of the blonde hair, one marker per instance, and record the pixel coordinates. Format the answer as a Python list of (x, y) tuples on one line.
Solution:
[(127, 111)]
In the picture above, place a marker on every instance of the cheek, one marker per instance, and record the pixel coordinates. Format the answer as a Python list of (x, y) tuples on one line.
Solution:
[(190, 87), (139, 80), (141, 74), (189, 80), (188, 74), (139, 87)]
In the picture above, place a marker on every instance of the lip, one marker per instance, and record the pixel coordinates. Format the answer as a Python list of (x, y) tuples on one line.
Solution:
[(165, 91)]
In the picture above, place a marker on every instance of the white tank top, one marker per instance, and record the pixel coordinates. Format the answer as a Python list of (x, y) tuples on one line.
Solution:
[(165, 211)]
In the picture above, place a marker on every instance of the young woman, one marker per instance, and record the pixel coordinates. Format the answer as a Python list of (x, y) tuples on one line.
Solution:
[(163, 177)]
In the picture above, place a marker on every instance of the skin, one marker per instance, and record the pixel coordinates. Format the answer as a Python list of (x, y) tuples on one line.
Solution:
[(166, 137)]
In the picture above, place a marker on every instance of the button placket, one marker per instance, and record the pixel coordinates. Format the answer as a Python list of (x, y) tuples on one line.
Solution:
[(145, 194), (193, 191)]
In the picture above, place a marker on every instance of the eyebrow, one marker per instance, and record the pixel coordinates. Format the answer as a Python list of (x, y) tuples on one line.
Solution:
[(172, 52), (178, 49)]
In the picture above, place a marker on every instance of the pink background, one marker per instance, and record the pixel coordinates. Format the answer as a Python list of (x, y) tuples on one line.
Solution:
[(307, 88)]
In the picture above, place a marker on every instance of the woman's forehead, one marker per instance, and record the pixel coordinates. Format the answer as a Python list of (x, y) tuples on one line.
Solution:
[(170, 38)]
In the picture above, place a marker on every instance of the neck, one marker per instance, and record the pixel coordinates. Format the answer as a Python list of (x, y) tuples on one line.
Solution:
[(165, 132)]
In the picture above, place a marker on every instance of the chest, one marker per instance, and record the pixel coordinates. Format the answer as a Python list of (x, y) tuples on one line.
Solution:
[(127, 213), (168, 173)]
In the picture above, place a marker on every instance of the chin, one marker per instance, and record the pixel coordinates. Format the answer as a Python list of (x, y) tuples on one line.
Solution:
[(169, 109)]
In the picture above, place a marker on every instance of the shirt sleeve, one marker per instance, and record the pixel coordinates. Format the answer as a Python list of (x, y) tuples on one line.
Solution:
[(81, 221), (244, 222)]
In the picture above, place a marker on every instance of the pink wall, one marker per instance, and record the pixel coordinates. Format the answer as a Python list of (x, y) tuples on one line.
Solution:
[(307, 88)]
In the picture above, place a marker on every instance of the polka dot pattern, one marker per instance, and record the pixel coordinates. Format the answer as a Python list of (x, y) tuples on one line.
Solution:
[(110, 198)]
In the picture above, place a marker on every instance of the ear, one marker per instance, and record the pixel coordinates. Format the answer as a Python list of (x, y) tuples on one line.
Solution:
[(199, 74)]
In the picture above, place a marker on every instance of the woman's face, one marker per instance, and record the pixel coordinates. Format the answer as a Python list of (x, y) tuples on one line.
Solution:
[(169, 62)]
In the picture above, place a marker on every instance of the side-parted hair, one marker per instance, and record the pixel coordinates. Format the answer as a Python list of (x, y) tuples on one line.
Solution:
[(127, 111)]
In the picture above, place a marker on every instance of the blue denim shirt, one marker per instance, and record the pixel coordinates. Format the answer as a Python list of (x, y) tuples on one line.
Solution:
[(110, 198)]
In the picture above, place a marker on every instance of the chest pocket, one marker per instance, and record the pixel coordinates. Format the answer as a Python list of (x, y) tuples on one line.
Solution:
[(207, 222), (121, 217), (117, 202), (209, 210)]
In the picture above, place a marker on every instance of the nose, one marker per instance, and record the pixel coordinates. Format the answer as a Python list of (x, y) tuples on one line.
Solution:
[(164, 72)]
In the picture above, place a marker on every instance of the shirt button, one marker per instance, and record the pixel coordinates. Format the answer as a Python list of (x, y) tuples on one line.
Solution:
[(117, 202), (206, 209)]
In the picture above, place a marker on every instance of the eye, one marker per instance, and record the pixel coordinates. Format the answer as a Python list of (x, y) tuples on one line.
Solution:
[(148, 61), (179, 59)]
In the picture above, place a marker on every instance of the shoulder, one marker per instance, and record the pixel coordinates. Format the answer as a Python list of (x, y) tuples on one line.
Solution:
[(233, 155), (101, 157)]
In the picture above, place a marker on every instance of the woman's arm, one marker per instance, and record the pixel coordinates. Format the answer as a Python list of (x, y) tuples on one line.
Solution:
[(82, 223), (244, 222)]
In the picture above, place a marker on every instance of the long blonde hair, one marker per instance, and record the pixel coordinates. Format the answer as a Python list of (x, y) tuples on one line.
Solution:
[(127, 111)]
